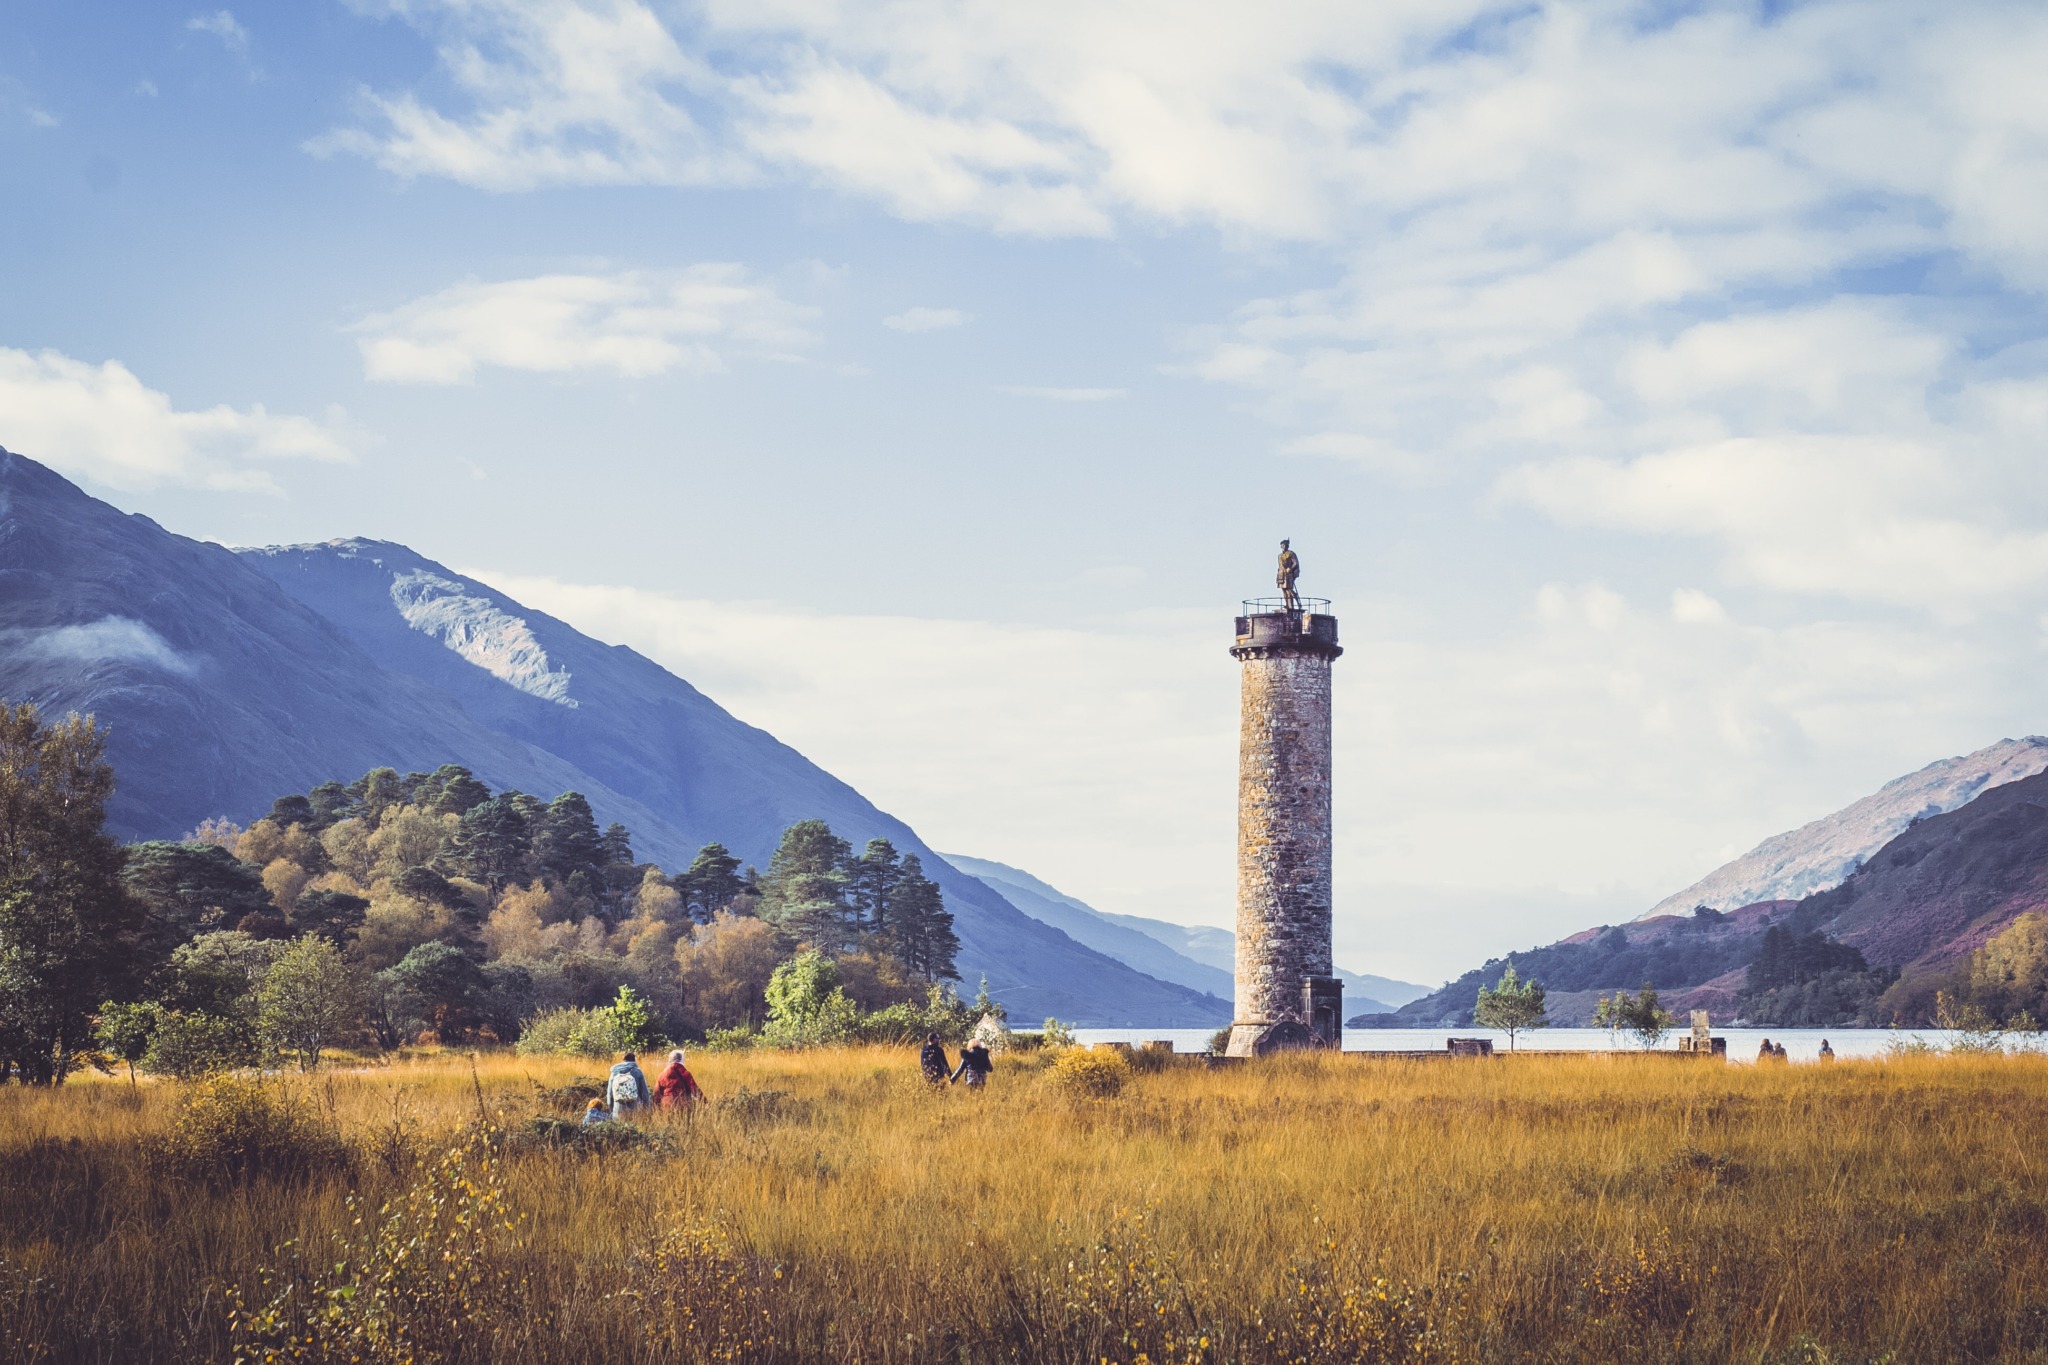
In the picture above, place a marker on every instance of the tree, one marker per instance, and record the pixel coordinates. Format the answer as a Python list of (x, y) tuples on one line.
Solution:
[(492, 841), (123, 1031), (190, 888), (871, 882), (310, 998), (1511, 1006), (71, 935), (615, 845), (806, 1004), (712, 882), (455, 791), (923, 935), (566, 841), (1637, 1014), (725, 968), (434, 986), (333, 915), (804, 892)]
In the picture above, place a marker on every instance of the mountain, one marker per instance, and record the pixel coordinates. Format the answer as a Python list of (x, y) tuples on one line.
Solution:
[(228, 679), (1917, 907), (1199, 957), (1819, 855)]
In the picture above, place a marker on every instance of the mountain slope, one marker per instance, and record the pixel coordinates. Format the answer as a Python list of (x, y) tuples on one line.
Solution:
[(1087, 925), (222, 690), (1196, 956), (1819, 855), (1920, 904)]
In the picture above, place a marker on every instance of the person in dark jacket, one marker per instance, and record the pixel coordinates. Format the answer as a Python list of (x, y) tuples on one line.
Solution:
[(675, 1087), (932, 1059), (975, 1064), (627, 1088)]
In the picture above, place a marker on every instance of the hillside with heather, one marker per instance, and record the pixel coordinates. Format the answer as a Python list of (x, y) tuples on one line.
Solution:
[(1949, 915)]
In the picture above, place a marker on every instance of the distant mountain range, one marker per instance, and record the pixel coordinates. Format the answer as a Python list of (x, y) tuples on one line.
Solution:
[(1968, 856), (1200, 958), (1819, 855), (229, 678)]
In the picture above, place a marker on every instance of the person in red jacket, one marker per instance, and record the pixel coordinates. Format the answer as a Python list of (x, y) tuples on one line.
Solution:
[(675, 1087)]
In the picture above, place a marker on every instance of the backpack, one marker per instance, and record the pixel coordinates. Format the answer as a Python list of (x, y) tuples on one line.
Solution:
[(625, 1091)]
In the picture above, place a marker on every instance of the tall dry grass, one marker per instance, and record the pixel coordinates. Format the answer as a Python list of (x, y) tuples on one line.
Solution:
[(1534, 1208)]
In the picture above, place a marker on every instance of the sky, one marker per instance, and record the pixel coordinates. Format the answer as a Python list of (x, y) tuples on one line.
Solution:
[(1658, 390)]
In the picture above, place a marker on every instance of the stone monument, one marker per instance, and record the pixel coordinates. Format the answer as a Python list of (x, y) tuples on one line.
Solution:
[(1288, 994)]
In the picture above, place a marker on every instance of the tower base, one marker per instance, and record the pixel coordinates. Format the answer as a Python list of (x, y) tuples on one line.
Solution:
[(1264, 1039)]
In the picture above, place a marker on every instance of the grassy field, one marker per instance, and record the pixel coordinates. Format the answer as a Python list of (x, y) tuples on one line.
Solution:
[(831, 1206)]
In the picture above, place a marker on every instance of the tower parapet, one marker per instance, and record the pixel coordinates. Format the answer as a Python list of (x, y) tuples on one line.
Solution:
[(1288, 994)]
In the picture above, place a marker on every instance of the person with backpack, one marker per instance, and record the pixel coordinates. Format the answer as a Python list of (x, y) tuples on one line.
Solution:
[(931, 1059), (627, 1088), (975, 1064), (675, 1087)]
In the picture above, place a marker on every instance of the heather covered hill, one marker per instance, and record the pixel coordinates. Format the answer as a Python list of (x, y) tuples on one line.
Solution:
[(226, 679), (1821, 853), (1915, 918)]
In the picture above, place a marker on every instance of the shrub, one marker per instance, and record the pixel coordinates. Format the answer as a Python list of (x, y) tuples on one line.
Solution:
[(189, 1045), (736, 1039), (1089, 1073), (574, 1033), (428, 1275), (234, 1127), (1056, 1034), (590, 1139)]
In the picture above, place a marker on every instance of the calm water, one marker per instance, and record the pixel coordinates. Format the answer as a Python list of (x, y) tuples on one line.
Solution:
[(1800, 1044)]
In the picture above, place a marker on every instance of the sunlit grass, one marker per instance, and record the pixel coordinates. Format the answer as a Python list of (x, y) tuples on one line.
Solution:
[(1550, 1208)]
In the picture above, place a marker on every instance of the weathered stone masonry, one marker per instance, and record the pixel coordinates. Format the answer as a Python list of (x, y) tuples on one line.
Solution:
[(1284, 970)]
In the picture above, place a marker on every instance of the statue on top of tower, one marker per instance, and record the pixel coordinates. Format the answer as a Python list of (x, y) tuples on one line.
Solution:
[(1290, 570)]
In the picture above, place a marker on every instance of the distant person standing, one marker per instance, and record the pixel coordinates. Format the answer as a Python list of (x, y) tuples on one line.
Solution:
[(1780, 1054), (675, 1087), (627, 1088), (1827, 1054), (975, 1064), (1766, 1053), (931, 1059)]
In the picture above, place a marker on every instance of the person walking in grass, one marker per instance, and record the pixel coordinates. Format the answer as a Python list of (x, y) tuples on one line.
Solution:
[(975, 1064), (626, 1088), (675, 1087), (594, 1113), (1827, 1054), (932, 1059)]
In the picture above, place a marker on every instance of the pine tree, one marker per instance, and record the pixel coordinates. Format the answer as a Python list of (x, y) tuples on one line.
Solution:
[(871, 884), (923, 928), (491, 842), (711, 884), (566, 841), (804, 892)]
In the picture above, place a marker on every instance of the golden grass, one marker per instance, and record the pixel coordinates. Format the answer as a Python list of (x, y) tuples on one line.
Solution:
[(1531, 1208)]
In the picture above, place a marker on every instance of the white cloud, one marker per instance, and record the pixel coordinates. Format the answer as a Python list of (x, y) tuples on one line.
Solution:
[(925, 319), (43, 118), (632, 323), (1058, 395), (223, 25), (99, 421), (111, 639)]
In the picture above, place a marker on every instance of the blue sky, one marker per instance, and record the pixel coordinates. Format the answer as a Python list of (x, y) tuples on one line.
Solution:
[(1659, 390)]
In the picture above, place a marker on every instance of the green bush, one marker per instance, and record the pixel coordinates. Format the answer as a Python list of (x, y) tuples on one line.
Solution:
[(191, 1045), (574, 1033), (1089, 1073), (237, 1128), (736, 1039)]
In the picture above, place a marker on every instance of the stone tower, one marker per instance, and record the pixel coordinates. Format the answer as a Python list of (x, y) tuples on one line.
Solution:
[(1287, 992)]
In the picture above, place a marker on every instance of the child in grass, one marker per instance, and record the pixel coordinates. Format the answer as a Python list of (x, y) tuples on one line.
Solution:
[(594, 1113)]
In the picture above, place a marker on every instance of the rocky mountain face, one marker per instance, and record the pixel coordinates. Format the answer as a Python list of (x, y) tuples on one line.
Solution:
[(229, 678), (1918, 905), (1819, 855), (1197, 956)]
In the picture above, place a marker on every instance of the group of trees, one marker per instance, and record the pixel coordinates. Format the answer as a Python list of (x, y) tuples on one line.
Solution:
[(1811, 981), (404, 905)]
